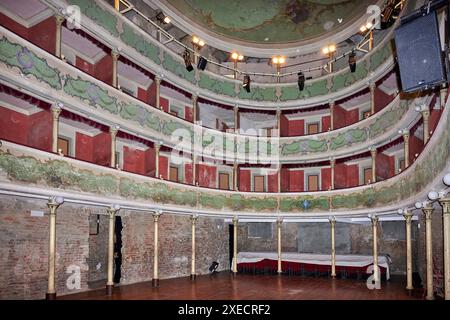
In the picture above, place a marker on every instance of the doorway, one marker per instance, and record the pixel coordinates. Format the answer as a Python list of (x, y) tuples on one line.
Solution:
[(118, 249)]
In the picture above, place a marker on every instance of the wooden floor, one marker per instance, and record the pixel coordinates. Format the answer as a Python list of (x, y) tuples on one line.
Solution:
[(223, 286)]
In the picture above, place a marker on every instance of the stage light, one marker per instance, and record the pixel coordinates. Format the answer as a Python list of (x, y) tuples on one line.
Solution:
[(278, 60), (202, 62), (325, 50), (352, 61), (275, 60), (187, 60), (301, 81), (330, 49), (234, 56), (240, 57), (446, 179), (195, 39), (246, 83), (162, 18), (363, 29)]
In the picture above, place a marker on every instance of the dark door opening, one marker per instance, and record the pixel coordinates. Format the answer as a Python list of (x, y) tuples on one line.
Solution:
[(117, 249), (231, 242)]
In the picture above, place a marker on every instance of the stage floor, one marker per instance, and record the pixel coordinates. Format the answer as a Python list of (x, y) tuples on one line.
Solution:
[(223, 286)]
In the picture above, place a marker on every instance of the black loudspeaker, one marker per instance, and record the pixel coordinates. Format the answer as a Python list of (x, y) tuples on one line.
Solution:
[(202, 63), (419, 54)]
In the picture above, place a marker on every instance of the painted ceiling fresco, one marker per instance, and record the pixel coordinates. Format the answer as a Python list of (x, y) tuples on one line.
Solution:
[(271, 21)]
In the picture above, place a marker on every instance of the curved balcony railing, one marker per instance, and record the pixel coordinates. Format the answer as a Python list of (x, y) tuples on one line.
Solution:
[(103, 22), (26, 169), (56, 81)]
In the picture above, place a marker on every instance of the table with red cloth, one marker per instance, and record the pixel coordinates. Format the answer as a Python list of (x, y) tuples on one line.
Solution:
[(311, 262)]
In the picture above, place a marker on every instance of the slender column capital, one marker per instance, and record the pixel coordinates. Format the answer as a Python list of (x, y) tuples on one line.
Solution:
[(112, 211), (194, 98), (56, 111), (53, 203), (279, 221), (405, 134), (115, 55), (59, 20), (425, 114), (331, 104), (332, 162), (194, 219), (157, 80), (235, 220), (408, 216), (236, 108), (156, 216), (372, 86), (113, 131), (445, 203), (332, 221), (375, 220), (428, 211), (373, 152)]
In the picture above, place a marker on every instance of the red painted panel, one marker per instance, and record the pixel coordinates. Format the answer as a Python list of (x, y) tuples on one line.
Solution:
[(284, 123), (272, 182), (84, 66), (151, 92), (415, 147), (150, 165), (382, 99), (188, 173), (13, 26), (244, 180), (43, 34), (207, 175), (164, 167), (133, 160), (434, 119), (102, 149), (188, 115), (284, 179), (84, 147), (326, 178), (142, 95), (13, 126), (326, 123), (340, 176), (385, 166), (297, 181), (352, 116), (339, 117), (296, 127), (103, 69), (41, 130), (352, 175), (164, 103)]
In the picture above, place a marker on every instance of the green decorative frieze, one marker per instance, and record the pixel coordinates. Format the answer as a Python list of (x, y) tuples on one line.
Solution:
[(381, 55), (15, 55), (348, 78), (90, 92), (316, 88), (348, 138), (138, 42), (259, 94), (140, 114), (216, 85), (97, 14), (388, 119), (304, 146)]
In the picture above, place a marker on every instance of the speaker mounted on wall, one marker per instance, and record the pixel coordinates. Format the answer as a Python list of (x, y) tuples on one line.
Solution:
[(419, 54)]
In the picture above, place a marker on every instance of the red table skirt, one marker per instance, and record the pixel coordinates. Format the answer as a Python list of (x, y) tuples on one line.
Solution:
[(272, 265)]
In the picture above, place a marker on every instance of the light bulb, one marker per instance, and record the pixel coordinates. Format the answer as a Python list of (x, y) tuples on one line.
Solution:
[(446, 179), (418, 205), (433, 195)]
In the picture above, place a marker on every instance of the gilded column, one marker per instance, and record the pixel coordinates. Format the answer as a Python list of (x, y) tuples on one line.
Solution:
[(373, 154), (406, 147), (158, 92), (235, 238), (194, 108), (59, 21), (376, 273), (56, 111), (408, 217), (279, 222), (331, 103), (372, 97), (155, 280), (446, 213), (113, 132), (426, 125), (157, 148), (115, 59), (194, 219), (53, 204), (112, 211), (333, 247), (332, 165), (428, 211)]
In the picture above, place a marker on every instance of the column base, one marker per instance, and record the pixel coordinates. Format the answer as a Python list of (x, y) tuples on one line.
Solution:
[(109, 289), (333, 276), (193, 276), (155, 283), (409, 291), (429, 298), (50, 296), (234, 274)]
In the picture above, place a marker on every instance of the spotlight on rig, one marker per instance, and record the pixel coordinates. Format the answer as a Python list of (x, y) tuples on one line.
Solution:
[(187, 60), (301, 81), (352, 61), (202, 63), (246, 83), (162, 18)]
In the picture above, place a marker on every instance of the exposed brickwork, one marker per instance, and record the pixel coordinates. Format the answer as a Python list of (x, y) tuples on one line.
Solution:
[(24, 247)]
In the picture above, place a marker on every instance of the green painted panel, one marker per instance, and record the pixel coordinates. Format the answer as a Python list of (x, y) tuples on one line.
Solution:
[(381, 55), (178, 68), (216, 86), (141, 115), (143, 46), (348, 78), (348, 138), (15, 55), (317, 88), (93, 11), (259, 94)]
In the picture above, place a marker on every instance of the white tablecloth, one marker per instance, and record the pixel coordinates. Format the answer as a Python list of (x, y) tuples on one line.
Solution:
[(319, 259)]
